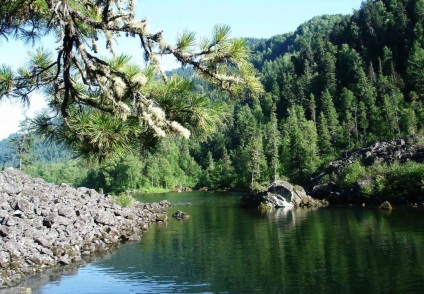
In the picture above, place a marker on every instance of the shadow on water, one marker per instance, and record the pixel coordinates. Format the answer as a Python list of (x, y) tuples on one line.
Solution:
[(224, 249)]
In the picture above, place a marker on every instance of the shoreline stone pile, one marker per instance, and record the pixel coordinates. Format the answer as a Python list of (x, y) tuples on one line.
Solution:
[(42, 224)]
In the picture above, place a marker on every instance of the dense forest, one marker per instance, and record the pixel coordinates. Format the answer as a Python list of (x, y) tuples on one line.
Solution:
[(337, 83)]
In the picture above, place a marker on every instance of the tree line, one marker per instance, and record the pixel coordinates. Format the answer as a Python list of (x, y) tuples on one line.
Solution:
[(338, 82)]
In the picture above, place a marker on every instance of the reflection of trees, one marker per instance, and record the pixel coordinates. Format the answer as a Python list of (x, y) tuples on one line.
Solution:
[(226, 249), (329, 250)]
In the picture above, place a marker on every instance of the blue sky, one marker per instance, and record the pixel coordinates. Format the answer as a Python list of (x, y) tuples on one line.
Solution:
[(247, 18)]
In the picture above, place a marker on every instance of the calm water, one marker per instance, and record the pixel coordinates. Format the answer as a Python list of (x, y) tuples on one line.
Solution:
[(225, 249)]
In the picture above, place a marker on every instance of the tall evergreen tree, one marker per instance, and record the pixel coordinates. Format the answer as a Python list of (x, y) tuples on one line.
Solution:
[(415, 71), (301, 144), (330, 112), (257, 162), (273, 144)]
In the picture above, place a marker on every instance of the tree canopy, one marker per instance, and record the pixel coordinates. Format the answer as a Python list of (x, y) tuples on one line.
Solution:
[(105, 106)]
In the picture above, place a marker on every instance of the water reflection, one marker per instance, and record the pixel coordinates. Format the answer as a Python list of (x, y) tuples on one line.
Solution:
[(290, 216), (224, 249)]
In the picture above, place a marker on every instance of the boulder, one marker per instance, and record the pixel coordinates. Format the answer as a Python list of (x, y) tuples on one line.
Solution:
[(281, 194), (180, 215), (386, 206), (161, 217), (105, 218)]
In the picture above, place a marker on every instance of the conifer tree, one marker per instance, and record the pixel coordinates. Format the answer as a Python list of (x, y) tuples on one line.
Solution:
[(301, 139), (350, 117), (226, 171), (313, 108), (257, 162), (325, 145), (273, 141), (103, 106), (331, 116), (415, 71), (363, 119)]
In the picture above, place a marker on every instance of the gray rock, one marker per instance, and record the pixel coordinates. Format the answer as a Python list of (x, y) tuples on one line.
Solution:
[(105, 218), (281, 194), (42, 241), (42, 224), (4, 231), (25, 206), (50, 219), (66, 211), (11, 221), (11, 181)]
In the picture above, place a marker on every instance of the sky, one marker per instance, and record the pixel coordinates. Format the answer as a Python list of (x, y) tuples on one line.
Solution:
[(247, 18)]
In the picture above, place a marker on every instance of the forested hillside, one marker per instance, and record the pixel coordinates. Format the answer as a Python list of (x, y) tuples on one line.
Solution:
[(336, 83), (32, 149)]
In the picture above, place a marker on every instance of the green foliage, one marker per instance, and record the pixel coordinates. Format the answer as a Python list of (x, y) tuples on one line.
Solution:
[(336, 83), (368, 189), (169, 166), (22, 145), (255, 187), (301, 148), (104, 107), (70, 172), (352, 173), (404, 180), (124, 200), (387, 181)]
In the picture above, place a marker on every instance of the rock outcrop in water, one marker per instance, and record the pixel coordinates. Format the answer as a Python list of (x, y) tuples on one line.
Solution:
[(281, 194), (43, 224), (180, 215)]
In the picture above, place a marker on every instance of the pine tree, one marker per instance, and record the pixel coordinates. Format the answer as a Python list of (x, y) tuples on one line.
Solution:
[(226, 171), (257, 162), (209, 176), (107, 106), (350, 117), (273, 143), (301, 144), (313, 108), (331, 116), (363, 121), (415, 71), (324, 142)]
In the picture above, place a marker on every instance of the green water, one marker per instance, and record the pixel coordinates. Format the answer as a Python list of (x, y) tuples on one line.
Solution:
[(224, 249)]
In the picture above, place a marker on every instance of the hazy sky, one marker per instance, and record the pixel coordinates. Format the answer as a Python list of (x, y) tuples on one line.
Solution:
[(247, 18)]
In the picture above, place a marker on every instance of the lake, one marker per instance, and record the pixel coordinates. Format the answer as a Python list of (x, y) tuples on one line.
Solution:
[(222, 248)]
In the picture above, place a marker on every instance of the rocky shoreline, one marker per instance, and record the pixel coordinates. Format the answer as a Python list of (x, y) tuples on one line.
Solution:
[(43, 225)]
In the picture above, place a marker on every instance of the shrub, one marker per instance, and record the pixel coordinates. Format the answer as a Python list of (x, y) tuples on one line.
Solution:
[(352, 173), (124, 200), (368, 189), (406, 179)]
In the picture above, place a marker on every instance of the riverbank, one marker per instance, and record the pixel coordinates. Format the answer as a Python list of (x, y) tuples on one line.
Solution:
[(42, 224), (385, 171)]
